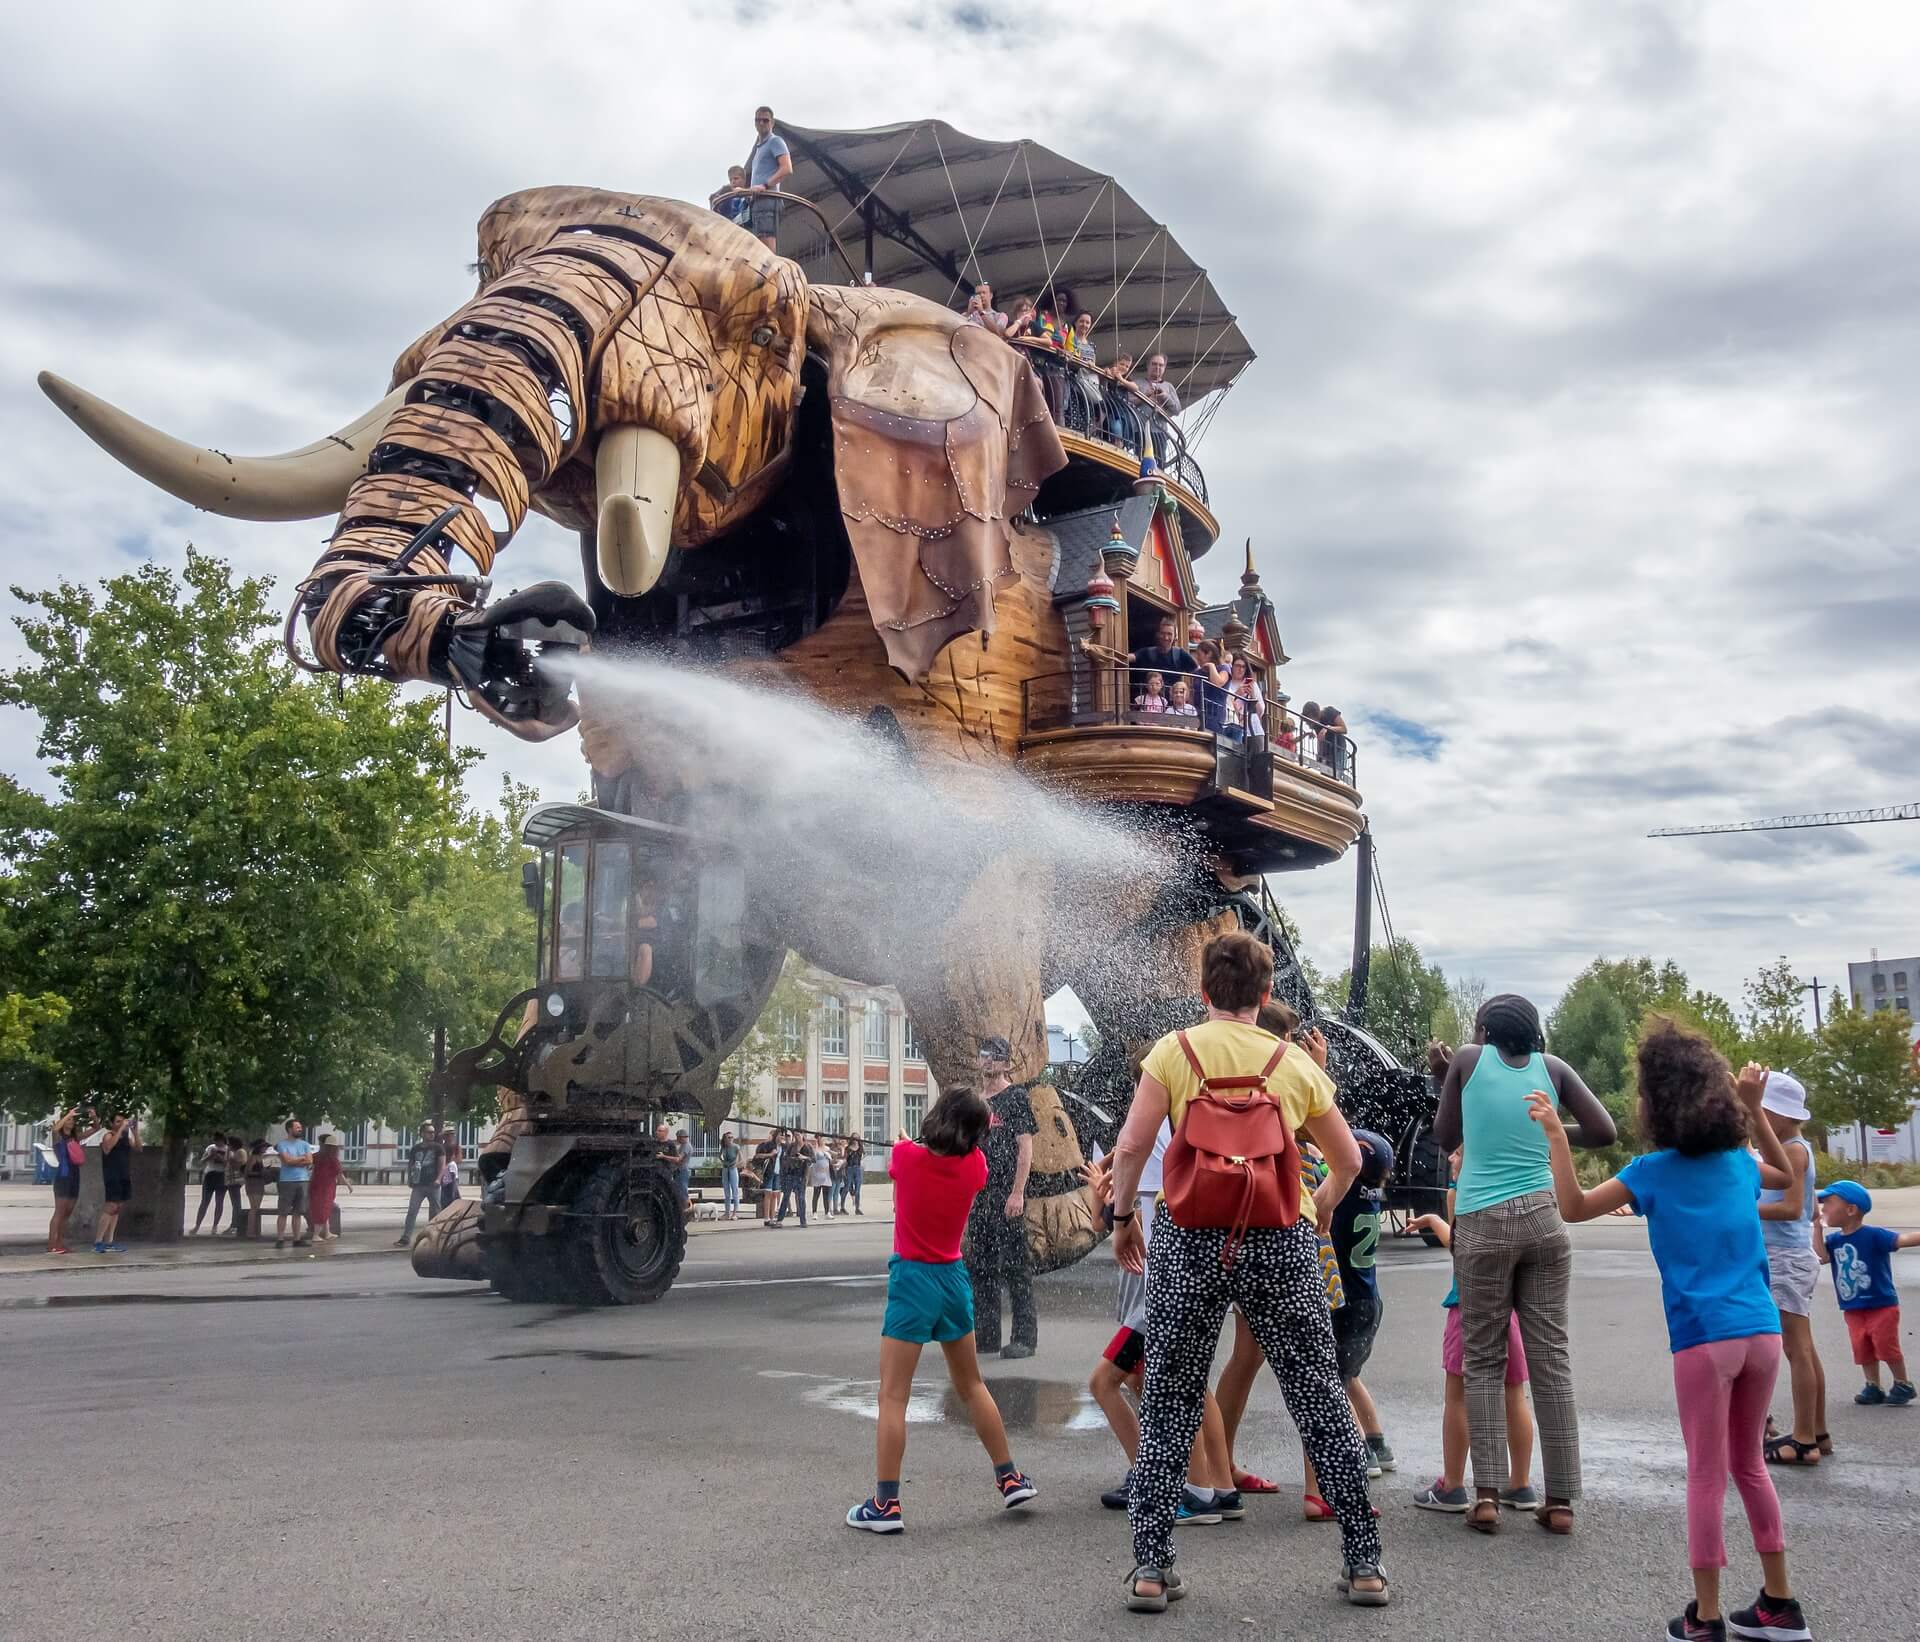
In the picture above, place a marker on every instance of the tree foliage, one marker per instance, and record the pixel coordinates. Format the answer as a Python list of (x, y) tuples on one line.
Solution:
[(764, 1047), (1861, 1072), (255, 890), (1407, 999), (1775, 1028)]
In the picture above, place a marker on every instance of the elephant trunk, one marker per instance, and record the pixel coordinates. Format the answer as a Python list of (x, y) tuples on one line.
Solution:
[(498, 403)]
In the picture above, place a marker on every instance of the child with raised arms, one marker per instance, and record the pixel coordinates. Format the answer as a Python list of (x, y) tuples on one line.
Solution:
[(1699, 1193), (930, 1299)]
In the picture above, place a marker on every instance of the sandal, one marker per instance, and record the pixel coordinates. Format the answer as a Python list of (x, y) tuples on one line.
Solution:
[(1824, 1440), (1171, 1589), (1318, 1510), (1349, 1583), (1556, 1519), (1250, 1483), (1791, 1451), (1490, 1522)]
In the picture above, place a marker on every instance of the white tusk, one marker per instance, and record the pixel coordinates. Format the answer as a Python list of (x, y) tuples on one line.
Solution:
[(308, 483), (636, 474)]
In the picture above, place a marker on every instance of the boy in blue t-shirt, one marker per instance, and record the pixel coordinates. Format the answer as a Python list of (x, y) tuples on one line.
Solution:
[(1862, 1261)]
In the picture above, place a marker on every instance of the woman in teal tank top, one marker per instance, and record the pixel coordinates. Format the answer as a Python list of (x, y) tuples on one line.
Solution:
[(1511, 1253)]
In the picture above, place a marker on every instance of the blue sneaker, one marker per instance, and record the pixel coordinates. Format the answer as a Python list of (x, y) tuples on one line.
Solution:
[(1016, 1488), (121, 1248), (1868, 1396), (877, 1518), (1229, 1505), (1195, 1512), (1901, 1394), (101, 1248)]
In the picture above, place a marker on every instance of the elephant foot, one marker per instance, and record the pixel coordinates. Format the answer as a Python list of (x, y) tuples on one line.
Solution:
[(450, 1246)]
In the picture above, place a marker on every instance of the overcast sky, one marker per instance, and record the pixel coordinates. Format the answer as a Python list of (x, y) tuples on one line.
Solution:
[(1579, 456)]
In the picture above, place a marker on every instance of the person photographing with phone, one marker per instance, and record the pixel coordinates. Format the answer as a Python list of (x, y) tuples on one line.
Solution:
[(118, 1142), (1235, 1228)]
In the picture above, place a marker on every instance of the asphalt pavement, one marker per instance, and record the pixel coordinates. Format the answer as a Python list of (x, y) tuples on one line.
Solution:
[(334, 1447)]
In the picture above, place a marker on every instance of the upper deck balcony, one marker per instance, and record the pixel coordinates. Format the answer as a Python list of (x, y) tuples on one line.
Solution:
[(1112, 425), (1271, 790)]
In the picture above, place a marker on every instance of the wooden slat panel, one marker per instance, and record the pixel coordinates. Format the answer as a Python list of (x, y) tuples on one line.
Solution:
[(598, 297), (406, 500), (551, 335), (502, 373), (641, 266), (442, 431)]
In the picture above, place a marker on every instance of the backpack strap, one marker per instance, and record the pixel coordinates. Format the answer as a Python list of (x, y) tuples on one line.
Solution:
[(1279, 1055), (1193, 1060)]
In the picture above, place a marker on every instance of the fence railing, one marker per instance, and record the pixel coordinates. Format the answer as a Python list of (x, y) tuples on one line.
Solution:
[(1100, 692), (1087, 401)]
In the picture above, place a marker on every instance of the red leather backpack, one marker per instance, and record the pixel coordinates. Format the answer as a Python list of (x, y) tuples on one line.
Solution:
[(1232, 1163)]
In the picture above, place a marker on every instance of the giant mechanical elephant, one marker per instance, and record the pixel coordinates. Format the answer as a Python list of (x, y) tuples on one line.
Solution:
[(817, 484)]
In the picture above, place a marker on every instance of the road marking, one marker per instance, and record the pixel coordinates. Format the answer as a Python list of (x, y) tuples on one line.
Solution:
[(775, 1282)]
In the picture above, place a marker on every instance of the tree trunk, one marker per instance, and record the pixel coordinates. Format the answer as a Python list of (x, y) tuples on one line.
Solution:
[(157, 1212)]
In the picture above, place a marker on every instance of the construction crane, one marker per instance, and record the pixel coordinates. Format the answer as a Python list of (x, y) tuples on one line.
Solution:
[(1780, 823)]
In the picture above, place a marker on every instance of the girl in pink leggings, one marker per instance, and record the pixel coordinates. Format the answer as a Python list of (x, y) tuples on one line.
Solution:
[(1699, 1193)]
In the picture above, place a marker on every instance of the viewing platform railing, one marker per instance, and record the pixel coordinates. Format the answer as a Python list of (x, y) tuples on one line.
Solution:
[(1106, 693), (1087, 401)]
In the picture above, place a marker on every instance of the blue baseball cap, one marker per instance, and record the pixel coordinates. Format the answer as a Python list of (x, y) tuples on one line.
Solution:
[(1376, 1157), (1850, 1191)]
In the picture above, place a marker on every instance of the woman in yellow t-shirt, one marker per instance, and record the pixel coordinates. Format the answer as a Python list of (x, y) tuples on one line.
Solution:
[(1275, 1280)]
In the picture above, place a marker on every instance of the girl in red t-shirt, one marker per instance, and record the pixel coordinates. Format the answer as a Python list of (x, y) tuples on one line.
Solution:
[(930, 1298)]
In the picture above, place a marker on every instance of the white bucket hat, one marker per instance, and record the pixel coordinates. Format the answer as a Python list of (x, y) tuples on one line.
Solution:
[(1786, 1096)]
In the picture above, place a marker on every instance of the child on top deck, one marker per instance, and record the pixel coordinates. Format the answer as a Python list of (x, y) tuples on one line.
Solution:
[(1154, 698), (1700, 1195), (930, 1298)]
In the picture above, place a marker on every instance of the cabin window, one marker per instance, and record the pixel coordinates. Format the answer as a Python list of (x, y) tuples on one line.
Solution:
[(570, 946), (607, 927)]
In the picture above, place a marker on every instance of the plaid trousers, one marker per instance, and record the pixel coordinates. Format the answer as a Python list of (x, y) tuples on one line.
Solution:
[(1516, 1257)]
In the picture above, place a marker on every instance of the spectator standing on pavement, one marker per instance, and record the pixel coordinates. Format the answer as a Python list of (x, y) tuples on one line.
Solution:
[(683, 1168), (213, 1185), (856, 1174), (258, 1158), (766, 1164), (118, 1142), (236, 1181), (795, 1156), (296, 1179), (730, 1174), (820, 1179), (997, 1220), (423, 1174), (450, 1156), (321, 1189), (67, 1157)]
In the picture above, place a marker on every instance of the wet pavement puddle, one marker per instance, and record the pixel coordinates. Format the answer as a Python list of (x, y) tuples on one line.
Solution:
[(585, 1354), (1025, 1405)]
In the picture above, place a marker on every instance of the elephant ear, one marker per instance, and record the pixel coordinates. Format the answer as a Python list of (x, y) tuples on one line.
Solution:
[(941, 436)]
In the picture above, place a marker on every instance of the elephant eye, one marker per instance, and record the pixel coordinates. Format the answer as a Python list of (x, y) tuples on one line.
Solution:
[(762, 335)]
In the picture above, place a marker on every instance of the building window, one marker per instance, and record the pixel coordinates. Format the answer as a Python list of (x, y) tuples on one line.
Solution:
[(833, 1027), (916, 1110), (793, 1034), (912, 1050), (1879, 983), (1879, 1003), (876, 1029), (1899, 980), (792, 1105), (833, 1111), (1900, 1003), (354, 1149), (873, 1115)]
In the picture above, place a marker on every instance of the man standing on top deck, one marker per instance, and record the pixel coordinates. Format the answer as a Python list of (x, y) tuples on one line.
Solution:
[(997, 1222), (768, 165), (1164, 657)]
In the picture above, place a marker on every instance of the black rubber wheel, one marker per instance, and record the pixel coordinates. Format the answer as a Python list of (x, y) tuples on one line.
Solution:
[(626, 1248)]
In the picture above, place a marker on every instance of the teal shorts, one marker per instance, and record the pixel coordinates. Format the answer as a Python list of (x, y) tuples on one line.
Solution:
[(928, 1302)]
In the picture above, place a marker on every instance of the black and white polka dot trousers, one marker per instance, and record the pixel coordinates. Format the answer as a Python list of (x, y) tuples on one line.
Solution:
[(1277, 1284)]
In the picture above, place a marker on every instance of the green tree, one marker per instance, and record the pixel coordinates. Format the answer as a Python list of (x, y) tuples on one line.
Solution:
[(1775, 1025), (1407, 999), (232, 881), (27, 1068), (1861, 1070)]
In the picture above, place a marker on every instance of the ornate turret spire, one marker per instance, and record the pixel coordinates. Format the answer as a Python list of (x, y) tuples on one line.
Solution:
[(1119, 555), (1238, 631)]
